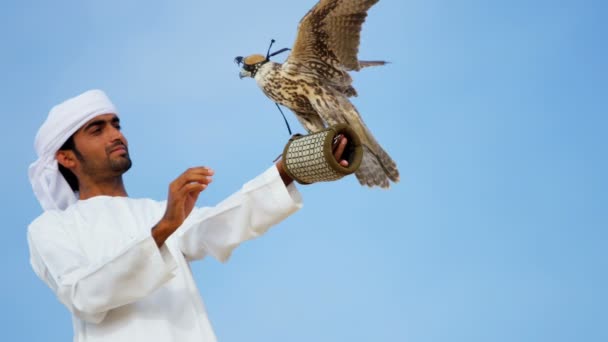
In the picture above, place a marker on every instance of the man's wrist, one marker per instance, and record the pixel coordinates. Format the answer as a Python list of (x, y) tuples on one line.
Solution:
[(161, 232), (284, 176)]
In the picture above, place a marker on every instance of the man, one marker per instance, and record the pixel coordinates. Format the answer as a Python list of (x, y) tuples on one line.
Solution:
[(120, 265)]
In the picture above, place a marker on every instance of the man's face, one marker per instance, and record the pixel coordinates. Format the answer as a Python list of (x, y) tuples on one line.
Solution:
[(101, 148)]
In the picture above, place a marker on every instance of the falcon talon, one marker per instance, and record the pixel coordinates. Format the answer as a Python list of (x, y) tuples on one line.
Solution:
[(336, 140)]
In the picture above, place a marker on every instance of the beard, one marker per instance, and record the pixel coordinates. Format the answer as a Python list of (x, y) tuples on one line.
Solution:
[(120, 164), (112, 166)]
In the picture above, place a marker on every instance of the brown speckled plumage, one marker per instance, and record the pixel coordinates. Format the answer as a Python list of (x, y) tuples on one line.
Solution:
[(314, 81)]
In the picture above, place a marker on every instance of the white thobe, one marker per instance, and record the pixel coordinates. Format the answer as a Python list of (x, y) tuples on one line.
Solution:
[(100, 259)]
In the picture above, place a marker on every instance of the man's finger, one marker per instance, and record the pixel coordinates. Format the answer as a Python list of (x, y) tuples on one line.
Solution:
[(195, 174), (182, 182), (199, 170), (192, 188), (339, 150)]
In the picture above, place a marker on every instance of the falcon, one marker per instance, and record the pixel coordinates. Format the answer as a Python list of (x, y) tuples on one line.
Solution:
[(314, 82)]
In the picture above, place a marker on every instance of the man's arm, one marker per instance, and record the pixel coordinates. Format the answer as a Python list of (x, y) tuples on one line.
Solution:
[(90, 287), (249, 213)]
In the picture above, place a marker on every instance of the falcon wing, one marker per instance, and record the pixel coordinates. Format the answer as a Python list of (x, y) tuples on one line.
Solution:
[(311, 121), (328, 39)]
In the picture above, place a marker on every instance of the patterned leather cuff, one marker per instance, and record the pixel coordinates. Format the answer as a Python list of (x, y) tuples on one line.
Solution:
[(310, 158)]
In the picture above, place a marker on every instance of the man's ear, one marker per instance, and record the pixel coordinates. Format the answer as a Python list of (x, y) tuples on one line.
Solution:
[(66, 158)]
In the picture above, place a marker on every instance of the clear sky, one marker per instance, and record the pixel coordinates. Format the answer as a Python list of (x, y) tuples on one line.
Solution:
[(495, 111)]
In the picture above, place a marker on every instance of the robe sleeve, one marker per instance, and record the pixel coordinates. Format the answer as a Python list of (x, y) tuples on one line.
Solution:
[(90, 290), (248, 213)]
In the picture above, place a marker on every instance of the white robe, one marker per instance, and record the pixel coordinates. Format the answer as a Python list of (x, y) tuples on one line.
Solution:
[(100, 259)]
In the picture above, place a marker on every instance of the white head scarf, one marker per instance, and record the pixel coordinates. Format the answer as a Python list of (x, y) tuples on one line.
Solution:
[(51, 189)]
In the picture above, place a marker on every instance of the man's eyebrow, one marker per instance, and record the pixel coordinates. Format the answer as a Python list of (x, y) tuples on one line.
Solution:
[(94, 123), (100, 122)]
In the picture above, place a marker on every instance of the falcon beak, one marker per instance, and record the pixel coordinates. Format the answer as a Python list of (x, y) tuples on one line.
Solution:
[(244, 74)]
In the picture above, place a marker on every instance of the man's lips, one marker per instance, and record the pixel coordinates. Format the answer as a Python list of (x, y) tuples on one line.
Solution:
[(120, 148)]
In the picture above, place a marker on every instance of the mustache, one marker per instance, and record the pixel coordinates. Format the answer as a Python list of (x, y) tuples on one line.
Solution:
[(117, 144)]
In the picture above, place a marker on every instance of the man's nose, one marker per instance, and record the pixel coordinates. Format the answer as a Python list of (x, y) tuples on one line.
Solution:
[(116, 134)]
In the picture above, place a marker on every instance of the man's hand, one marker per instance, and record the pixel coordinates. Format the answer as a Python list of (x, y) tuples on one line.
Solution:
[(183, 193)]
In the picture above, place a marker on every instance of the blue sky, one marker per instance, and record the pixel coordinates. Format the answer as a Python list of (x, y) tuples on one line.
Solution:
[(495, 111)]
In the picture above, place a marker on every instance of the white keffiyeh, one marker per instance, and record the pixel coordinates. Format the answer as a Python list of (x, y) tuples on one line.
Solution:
[(51, 189)]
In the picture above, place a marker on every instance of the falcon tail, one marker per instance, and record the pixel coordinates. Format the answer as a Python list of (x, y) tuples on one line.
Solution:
[(377, 168), (365, 64)]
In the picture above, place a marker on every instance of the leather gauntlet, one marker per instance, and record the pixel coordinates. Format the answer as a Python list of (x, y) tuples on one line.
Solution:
[(310, 158)]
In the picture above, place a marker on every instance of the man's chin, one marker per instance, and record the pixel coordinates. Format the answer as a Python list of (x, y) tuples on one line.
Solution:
[(121, 164)]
